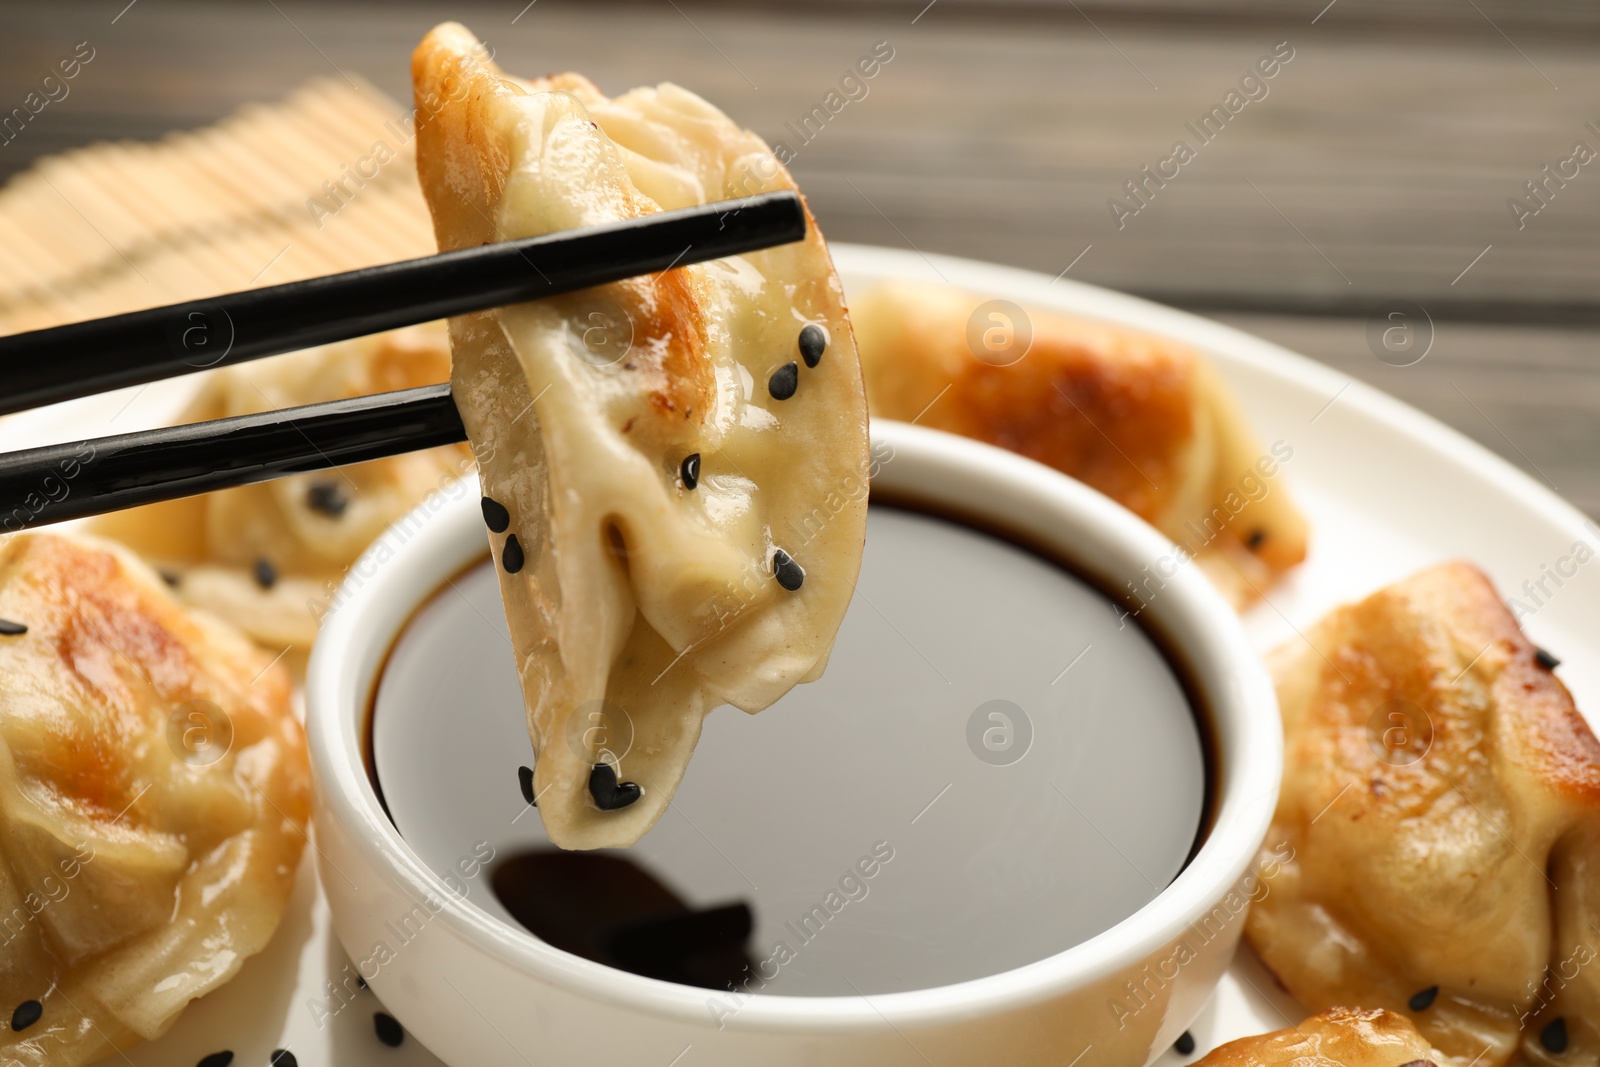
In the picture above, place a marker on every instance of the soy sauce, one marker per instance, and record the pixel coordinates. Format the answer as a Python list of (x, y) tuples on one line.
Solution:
[(609, 909)]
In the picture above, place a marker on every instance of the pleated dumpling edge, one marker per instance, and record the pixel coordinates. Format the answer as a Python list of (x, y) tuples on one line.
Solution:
[(677, 463)]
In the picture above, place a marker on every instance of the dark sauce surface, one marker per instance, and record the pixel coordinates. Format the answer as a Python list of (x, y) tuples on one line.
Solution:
[(609, 909), (1194, 693)]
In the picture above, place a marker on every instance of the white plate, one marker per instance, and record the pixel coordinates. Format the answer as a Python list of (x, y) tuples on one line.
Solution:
[(1388, 491)]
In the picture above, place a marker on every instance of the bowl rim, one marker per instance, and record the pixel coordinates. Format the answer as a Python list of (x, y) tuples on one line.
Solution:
[(1247, 736)]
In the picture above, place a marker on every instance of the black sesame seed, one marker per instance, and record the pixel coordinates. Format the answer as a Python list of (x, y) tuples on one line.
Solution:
[(12, 629), (525, 776), (690, 471), (1554, 1035), (327, 498), (216, 1059), (1257, 537), (172, 578), (265, 573), (610, 794), (1184, 1046), (26, 1014), (1420, 1063), (784, 381), (790, 574), (512, 558), (1546, 660), (1424, 1000), (388, 1029), (283, 1058), (813, 342), (495, 516)]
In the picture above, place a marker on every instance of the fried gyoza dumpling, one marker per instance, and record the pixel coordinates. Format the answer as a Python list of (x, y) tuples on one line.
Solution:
[(1141, 418), (154, 794), (1339, 1037), (1441, 798), (268, 557), (674, 465)]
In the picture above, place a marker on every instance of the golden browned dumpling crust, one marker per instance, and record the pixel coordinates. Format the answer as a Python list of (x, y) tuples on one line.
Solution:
[(1141, 418), (676, 464), (1441, 808), (154, 793), (1338, 1037)]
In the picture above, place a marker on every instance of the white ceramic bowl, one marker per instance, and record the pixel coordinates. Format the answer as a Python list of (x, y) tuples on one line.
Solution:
[(479, 991)]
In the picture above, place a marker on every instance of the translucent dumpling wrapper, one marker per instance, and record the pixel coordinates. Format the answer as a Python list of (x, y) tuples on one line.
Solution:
[(675, 465), (1437, 836), (154, 794), (269, 557)]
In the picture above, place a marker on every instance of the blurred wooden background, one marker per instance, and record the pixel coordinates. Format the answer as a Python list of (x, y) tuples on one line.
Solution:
[(1377, 167)]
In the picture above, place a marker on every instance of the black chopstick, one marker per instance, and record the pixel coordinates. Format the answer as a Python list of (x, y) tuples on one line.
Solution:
[(64, 362), (82, 478)]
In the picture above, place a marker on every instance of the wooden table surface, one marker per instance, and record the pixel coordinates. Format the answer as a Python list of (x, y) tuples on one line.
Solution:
[(1380, 163)]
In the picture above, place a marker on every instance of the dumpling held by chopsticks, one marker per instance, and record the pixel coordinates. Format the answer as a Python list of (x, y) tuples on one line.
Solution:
[(674, 466)]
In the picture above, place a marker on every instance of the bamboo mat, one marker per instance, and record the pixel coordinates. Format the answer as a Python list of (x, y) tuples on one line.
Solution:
[(323, 181)]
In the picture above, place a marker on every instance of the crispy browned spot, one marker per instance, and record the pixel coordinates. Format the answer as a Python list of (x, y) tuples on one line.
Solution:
[(460, 149), (1121, 429), (117, 642)]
